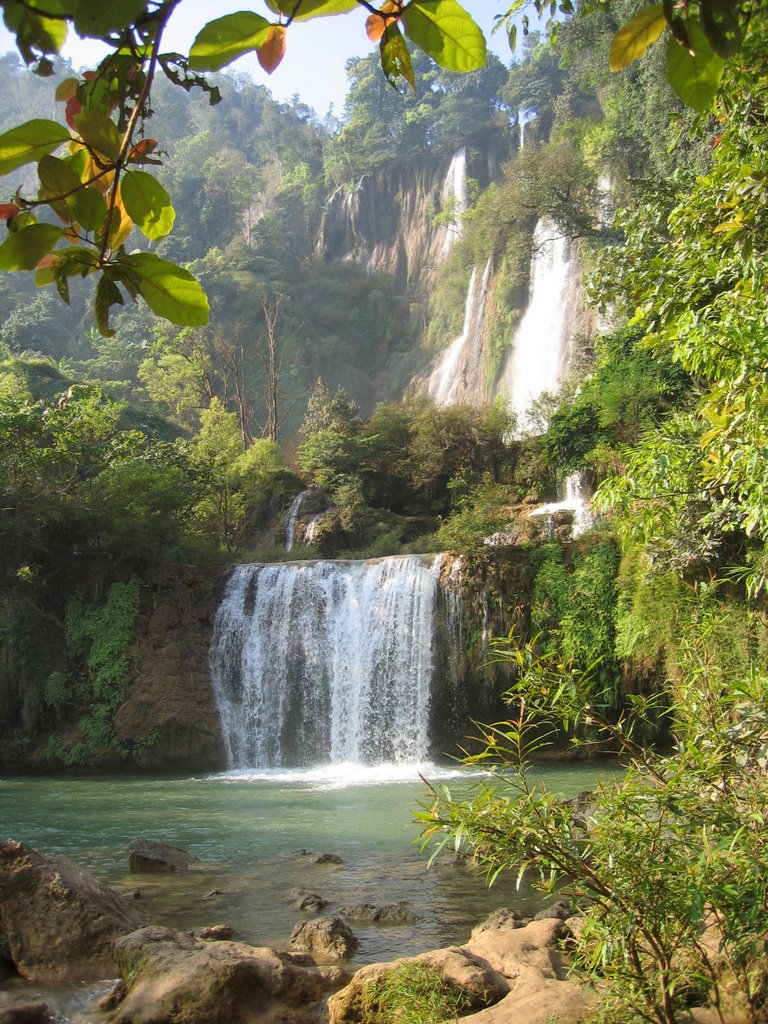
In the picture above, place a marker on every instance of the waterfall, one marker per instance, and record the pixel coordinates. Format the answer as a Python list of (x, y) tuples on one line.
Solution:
[(293, 518), (574, 502), (315, 662), (537, 359), (458, 373), (454, 191)]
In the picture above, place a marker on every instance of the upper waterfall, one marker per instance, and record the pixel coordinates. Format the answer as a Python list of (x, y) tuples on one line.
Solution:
[(454, 194), (458, 372), (538, 356), (324, 661)]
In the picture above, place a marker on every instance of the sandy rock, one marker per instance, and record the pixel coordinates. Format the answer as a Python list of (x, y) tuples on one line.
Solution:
[(147, 855), (216, 933), (329, 936), (57, 921), (175, 978), (503, 917), (480, 983)]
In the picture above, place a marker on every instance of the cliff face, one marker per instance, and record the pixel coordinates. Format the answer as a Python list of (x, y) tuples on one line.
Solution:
[(403, 220), (170, 721)]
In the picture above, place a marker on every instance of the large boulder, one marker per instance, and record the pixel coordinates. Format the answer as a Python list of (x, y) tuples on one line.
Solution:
[(176, 978), (509, 974), (328, 936), (148, 855), (57, 922)]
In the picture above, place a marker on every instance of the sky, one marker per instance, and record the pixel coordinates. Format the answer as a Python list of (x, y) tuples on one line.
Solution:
[(314, 64)]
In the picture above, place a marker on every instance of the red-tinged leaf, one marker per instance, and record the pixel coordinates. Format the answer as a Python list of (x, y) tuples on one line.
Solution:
[(272, 50), (46, 261), (72, 109), (141, 149), (376, 24), (8, 211)]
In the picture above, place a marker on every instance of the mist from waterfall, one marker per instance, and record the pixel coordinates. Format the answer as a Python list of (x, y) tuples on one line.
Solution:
[(538, 355), (458, 374), (317, 662)]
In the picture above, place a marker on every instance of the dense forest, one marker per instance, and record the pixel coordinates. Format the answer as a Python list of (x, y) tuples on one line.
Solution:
[(646, 635)]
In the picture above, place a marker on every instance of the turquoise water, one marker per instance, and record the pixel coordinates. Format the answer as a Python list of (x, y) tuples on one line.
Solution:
[(248, 827)]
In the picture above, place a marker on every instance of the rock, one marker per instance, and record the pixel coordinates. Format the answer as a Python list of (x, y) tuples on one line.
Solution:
[(502, 917), (116, 995), (216, 933), (330, 936), (147, 855), (58, 922), (480, 983), (561, 909), (328, 858), (20, 1010), (575, 926), (313, 902), (386, 913), (178, 979)]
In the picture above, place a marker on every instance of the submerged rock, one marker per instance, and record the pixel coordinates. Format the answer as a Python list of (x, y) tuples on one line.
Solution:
[(148, 855), (20, 1010), (57, 922), (385, 913), (174, 978), (330, 936)]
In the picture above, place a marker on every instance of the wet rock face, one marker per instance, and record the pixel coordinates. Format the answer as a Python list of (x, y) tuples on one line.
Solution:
[(179, 979), (57, 922), (169, 720)]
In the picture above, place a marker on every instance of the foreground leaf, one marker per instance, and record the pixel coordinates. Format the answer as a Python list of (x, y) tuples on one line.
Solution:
[(99, 133), (311, 8), (696, 76), (395, 59), (24, 249), (147, 204), (168, 290), (272, 50), (29, 142), (633, 39), (97, 18), (446, 33), (222, 41)]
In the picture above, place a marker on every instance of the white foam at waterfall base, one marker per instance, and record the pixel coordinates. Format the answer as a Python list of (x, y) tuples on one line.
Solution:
[(349, 773), (326, 662), (458, 373)]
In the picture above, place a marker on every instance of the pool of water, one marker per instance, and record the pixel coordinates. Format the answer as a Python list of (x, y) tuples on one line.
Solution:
[(250, 829)]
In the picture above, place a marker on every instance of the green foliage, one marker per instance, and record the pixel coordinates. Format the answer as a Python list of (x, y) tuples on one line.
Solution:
[(411, 993), (667, 862), (99, 636)]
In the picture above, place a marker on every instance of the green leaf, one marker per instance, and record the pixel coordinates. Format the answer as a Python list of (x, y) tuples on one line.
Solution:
[(147, 204), (311, 8), (57, 177), (24, 249), (90, 208), (169, 291), (35, 34), (221, 41), (634, 38), (107, 295), (695, 77), (99, 18), (395, 59), (721, 26), (30, 141), (446, 33), (99, 133)]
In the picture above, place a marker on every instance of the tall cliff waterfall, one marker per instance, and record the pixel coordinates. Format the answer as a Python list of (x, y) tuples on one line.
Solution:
[(454, 193), (538, 356), (316, 662), (458, 373)]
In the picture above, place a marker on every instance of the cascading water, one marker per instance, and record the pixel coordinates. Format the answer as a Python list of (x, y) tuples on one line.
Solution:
[(572, 502), (538, 356), (454, 194), (293, 518), (458, 373), (316, 662)]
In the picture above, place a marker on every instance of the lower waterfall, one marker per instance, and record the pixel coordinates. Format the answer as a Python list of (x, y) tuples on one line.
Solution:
[(326, 661)]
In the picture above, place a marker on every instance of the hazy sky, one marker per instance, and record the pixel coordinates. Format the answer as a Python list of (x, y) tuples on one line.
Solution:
[(317, 51)]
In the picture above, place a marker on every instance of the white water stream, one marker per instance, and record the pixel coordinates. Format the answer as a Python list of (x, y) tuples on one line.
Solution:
[(317, 662), (454, 195)]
